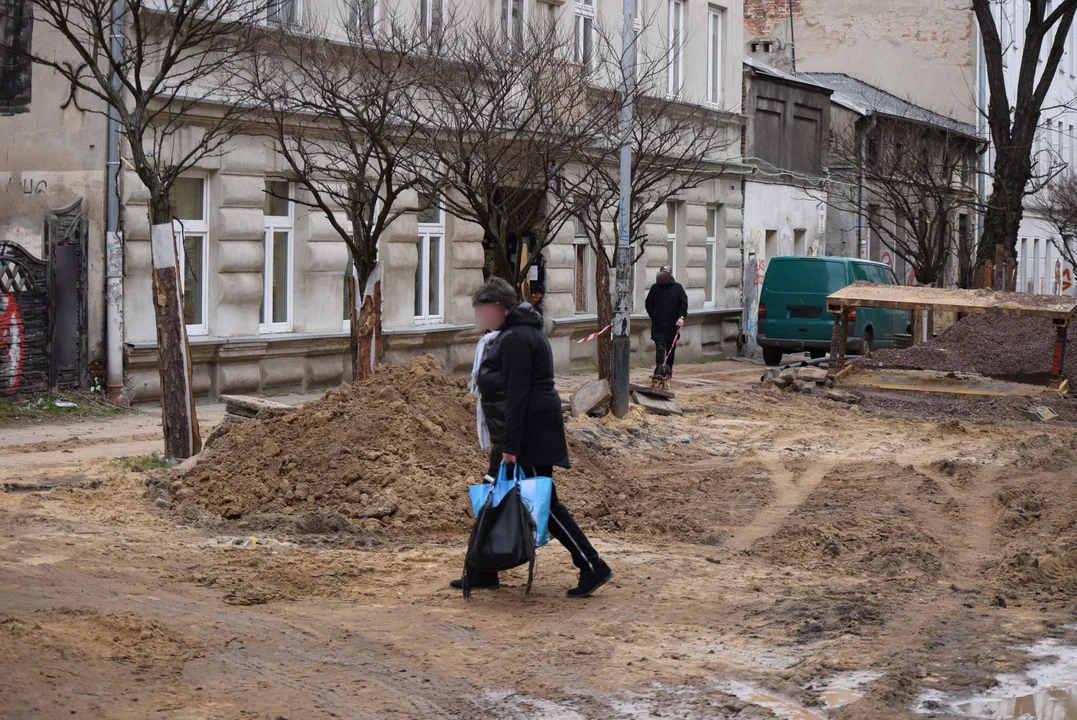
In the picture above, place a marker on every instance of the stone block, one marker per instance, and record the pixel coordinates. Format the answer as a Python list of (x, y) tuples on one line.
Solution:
[(843, 396), (240, 377), (590, 396), (812, 374), (656, 405)]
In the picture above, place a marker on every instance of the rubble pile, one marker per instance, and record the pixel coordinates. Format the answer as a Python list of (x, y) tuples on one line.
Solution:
[(808, 380)]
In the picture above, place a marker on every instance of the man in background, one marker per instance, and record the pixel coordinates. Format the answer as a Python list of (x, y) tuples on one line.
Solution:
[(667, 306)]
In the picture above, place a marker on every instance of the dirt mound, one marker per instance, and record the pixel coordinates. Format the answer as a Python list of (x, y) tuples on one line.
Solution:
[(864, 517), (1010, 348), (398, 448), (394, 454)]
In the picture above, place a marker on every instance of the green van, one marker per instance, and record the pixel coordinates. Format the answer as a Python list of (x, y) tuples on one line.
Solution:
[(792, 307)]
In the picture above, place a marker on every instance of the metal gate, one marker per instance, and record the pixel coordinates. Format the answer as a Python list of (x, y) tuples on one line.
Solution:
[(24, 321), (66, 232)]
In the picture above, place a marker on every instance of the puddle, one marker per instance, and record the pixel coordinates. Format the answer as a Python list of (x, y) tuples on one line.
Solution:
[(837, 691), (1046, 690), (846, 688)]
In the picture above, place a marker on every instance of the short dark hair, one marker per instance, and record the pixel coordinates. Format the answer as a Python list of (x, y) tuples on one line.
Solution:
[(495, 290)]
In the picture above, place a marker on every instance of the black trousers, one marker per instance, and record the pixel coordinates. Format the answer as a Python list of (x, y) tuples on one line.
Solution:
[(563, 527), (662, 345)]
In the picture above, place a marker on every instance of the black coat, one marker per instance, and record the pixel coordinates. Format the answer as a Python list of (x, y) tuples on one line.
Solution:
[(667, 302), (522, 408)]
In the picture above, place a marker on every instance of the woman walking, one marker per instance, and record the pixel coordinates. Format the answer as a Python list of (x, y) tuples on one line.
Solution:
[(522, 413)]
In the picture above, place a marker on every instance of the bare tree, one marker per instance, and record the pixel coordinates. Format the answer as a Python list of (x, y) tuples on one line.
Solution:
[(677, 145), (1013, 127), (915, 177), (342, 113), (1057, 204), (507, 116), (155, 65)]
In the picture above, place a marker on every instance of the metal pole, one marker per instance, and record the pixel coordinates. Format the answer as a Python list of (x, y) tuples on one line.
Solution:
[(113, 237), (622, 318)]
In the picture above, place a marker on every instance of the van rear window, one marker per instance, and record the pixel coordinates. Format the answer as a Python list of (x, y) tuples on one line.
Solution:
[(871, 273), (815, 276)]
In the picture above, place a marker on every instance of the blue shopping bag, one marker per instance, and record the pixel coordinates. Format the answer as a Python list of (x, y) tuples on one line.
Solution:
[(536, 493)]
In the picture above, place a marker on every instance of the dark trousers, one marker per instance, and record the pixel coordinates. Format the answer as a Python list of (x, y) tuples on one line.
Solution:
[(662, 345), (562, 526)]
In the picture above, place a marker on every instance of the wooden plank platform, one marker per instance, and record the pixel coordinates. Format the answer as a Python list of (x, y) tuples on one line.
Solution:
[(933, 381), (1060, 310)]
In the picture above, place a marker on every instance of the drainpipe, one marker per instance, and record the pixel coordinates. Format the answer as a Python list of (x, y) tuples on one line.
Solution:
[(113, 232), (860, 191)]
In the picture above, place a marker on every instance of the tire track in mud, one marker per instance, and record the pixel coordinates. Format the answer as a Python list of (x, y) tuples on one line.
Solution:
[(791, 488)]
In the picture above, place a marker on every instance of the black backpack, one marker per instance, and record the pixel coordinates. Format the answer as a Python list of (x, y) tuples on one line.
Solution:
[(503, 538)]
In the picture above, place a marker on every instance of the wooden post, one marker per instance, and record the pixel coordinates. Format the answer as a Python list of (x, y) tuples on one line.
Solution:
[(839, 337), (1011, 275), (178, 418), (930, 321), (989, 273), (999, 280), (917, 326)]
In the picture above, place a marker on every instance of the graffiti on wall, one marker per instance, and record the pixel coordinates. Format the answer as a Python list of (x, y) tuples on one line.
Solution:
[(11, 344), (24, 321)]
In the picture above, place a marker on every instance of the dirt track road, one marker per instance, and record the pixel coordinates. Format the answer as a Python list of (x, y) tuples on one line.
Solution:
[(770, 550)]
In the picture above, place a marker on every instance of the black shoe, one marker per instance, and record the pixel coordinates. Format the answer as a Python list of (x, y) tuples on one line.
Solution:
[(591, 581), (458, 584)]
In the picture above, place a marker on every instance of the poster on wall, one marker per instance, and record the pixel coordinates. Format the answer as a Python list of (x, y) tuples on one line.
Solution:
[(16, 34)]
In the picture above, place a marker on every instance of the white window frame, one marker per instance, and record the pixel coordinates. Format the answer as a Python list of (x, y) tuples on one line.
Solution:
[(1005, 29), (426, 232), (671, 237), (359, 20), (579, 240), (1071, 52), (183, 228), (513, 33), (584, 11), (426, 17), (675, 48), (715, 89), (274, 224), (273, 15), (712, 246)]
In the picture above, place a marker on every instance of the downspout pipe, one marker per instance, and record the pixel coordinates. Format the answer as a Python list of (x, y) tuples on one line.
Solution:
[(864, 138), (113, 232)]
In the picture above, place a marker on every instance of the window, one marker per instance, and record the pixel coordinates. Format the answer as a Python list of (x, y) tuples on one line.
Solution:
[(512, 22), (1002, 20), (429, 273), (585, 34), (671, 235), (365, 14), (800, 243), (189, 212), (675, 47), (770, 247), (714, 56), (1071, 52), (1060, 149), (579, 249), (432, 16), (1070, 156), (349, 275), (710, 287), (276, 312), (285, 12)]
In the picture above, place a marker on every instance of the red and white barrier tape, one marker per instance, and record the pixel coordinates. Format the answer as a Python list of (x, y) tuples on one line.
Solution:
[(593, 335)]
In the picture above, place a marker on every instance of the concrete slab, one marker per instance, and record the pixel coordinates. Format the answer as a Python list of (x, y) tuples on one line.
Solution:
[(656, 405), (589, 396)]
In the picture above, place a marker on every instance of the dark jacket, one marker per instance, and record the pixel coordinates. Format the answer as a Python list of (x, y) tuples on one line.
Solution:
[(522, 408), (667, 302)]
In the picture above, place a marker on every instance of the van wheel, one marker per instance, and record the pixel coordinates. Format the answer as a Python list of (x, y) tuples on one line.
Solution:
[(866, 345), (772, 356)]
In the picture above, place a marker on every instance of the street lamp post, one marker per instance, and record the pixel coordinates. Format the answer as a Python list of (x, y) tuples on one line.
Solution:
[(622, 318)]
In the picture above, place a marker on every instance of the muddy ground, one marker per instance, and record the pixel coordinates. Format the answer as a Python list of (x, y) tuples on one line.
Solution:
[(766, 546)]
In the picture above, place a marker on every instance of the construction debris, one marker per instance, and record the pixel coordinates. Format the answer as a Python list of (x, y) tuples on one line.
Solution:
[(1040, 413), (657, 405), (589, 397), (240, 408), (803, 379), (656, 391)]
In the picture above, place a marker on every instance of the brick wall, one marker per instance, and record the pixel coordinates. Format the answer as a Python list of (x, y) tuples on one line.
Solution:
[(763, 18)]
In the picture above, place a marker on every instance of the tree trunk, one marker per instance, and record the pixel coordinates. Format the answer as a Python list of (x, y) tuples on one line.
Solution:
[(367, 349), (178, 417), (1002, 222), (605, 317)]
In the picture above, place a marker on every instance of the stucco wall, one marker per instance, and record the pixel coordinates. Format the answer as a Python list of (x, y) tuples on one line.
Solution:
[(776, 212), (921, 50), (49, 157)]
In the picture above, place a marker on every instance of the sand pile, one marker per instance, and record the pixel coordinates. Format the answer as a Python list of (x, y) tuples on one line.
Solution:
[(1010, 348), (399, 448)]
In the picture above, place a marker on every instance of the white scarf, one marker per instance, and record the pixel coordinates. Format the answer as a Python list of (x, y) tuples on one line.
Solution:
[(480, 419)]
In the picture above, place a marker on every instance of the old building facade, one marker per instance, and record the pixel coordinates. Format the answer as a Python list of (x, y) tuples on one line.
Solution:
[(264, 278)]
